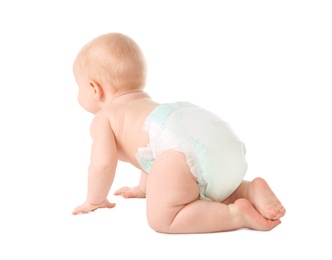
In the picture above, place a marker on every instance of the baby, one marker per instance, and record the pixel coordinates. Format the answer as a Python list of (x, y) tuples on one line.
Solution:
[(192, 164)]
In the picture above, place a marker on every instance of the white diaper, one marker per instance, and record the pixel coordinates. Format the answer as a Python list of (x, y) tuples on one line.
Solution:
[(214, 154)]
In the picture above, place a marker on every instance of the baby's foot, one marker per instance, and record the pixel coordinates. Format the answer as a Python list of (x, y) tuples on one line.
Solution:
[(264, 200), (253, 219)]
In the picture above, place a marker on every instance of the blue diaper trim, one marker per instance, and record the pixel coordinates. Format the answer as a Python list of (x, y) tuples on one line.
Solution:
[(161, 112)]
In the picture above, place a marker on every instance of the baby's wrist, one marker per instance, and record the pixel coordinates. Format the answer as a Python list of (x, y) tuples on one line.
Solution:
[(141, 190)]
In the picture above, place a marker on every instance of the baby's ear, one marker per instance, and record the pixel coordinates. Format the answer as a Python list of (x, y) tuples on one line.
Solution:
[(96, 89)]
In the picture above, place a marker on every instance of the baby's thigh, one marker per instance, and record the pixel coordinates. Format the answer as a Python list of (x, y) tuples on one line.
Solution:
[(170, 186)]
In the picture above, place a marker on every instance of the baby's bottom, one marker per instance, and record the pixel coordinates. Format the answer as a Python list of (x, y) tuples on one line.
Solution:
[(173, 206)]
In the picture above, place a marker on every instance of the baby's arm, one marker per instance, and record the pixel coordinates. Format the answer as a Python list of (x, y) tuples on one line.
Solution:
[(102, 166), (134, 192)]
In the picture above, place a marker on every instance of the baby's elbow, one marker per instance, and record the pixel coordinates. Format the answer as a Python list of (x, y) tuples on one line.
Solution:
[(106, 168)]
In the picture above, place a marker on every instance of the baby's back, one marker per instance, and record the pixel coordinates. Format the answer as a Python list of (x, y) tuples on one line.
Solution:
[(127, 115)]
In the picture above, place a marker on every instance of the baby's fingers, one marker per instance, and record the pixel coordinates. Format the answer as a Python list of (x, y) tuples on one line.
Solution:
[(109, 205), (86, 207), (134, 192), (122, 191), (80, 209)]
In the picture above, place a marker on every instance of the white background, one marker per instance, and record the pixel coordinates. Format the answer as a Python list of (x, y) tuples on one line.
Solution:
[(263, 66)]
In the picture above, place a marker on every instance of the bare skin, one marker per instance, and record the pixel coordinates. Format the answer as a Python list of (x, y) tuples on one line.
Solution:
[(261, 196), (173, 207), (170, 189)]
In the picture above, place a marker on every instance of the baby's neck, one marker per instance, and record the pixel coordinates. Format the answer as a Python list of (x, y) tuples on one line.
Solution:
[(129, 96)]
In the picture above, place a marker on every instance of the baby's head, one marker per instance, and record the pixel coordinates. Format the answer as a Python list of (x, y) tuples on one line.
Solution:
[(115, 62)]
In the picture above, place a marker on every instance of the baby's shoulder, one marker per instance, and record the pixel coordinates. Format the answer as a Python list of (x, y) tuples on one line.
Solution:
[(101, 119)]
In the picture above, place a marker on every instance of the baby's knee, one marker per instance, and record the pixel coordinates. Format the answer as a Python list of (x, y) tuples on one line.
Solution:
[(158, 223), (160, 218)]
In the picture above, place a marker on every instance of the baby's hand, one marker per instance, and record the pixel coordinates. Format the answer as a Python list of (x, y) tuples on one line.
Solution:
[(87, 207), (127, 192)]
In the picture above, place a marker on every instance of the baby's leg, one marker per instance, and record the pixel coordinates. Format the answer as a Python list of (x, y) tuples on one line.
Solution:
[(173, 205), (261, 196)]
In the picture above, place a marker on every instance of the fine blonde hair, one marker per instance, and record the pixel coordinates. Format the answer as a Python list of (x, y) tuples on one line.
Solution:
[(114, 60)]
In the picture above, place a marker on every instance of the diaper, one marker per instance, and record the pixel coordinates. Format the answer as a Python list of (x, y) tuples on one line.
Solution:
[(214, 154)]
